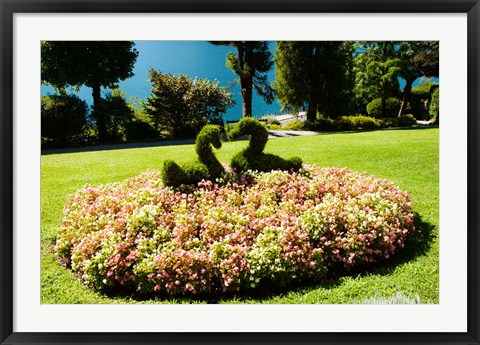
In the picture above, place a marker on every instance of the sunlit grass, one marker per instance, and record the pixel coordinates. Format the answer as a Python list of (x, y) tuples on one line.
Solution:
[(407, 157)]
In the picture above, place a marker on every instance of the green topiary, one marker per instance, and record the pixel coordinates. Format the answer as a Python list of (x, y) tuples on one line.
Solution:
[(208, 167), (252, 157), (258, 134), (208, 136), (175, 175)]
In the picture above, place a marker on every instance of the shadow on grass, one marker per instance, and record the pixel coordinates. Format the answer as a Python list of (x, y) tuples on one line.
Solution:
[(415, 246)]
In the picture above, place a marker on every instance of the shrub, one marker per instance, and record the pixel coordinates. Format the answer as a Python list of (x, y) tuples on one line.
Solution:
[(182, 106), (240, 233), (356, 122), (434, 106), (257, 131), (272, 120), (175, 175), (274, 127), (63, 120), (406, 120), (388, 122), (252, 157), (321, 124), (117, 113), (392, 106), (210, 135), (294, 125), (420, 100), (140, 130), (208, 166)]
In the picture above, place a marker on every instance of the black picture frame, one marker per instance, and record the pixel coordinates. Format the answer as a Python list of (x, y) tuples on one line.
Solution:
[(10, 7)]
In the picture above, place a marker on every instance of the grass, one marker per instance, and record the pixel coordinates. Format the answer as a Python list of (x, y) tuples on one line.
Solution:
[(409, 157)]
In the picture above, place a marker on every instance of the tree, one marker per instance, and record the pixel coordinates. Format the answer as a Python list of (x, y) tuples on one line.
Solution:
[(182, 106), (376, 72), (312, 75), (252, 62), (117, 113), (90, 63), (63, 119), (417, 59)]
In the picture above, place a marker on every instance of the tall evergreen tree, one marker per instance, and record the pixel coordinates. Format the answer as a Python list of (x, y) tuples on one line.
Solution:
[(417, 59), (251, 63), (314, 76), (377, 66), (94, 64)]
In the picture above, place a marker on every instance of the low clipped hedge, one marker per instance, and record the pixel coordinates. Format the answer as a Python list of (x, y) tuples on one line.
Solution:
[(360, 121), (244, 231), (355, 122)]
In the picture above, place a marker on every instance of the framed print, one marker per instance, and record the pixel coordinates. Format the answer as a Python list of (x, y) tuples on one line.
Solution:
[(135, 211)]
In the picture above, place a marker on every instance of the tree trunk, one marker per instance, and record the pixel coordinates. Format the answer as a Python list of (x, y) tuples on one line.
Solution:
[(312, 104), (406, 96), (98, 114), (312, 111), (314, 84), (246, 79), (384, 100), (246, 87)]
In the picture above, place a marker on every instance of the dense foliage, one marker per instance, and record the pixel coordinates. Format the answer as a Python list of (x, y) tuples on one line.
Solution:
[(64, 118), (253, 157), (94, 64), (355, 122), (313, 75), (251, 64), (182, 106), (434, 105), (388, 109), (206, 168), (117, 114), (417, 59), (377, 66), (331, 79), (243, 232)]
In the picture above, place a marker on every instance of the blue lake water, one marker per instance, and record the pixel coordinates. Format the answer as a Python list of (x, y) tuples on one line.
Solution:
[(194, 59)]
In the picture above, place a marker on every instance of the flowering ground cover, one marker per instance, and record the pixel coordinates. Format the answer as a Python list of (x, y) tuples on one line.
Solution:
[(409, 158), (242, 231)]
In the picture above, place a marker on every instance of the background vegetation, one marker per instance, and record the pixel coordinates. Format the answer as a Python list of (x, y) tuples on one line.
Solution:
[(327, 80)]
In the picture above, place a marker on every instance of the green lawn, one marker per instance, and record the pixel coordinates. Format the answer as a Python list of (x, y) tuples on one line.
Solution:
[(409, 157)]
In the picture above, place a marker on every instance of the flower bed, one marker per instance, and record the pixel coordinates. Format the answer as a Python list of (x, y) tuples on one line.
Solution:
[(236, 234)]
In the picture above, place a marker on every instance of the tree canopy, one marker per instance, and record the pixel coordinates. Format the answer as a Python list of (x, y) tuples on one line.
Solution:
[(94, 64), (376, 69), (417, 59), (182, 106), (312, 75), (251, 63)]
